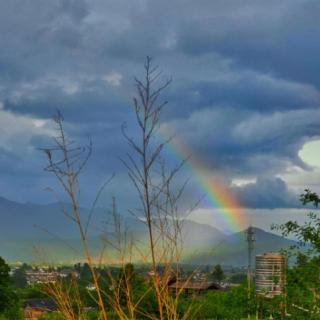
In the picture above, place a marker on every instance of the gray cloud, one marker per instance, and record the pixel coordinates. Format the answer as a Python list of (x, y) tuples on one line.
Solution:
[(266, 193), (272, 36), (245, 95), (246, 143)]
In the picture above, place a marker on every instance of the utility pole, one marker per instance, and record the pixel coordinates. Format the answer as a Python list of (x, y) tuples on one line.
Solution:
[(250, 237)]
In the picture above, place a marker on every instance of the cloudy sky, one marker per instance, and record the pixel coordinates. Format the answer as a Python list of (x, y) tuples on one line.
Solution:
[(245, 96)]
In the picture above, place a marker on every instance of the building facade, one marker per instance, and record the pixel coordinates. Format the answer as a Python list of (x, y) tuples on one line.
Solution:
[(41, 276), (270, 274)]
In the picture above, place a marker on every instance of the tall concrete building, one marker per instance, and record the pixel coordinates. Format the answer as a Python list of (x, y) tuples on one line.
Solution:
[(270, 274)]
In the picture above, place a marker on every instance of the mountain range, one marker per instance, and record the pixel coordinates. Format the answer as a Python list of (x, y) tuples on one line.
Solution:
[(43, 233)]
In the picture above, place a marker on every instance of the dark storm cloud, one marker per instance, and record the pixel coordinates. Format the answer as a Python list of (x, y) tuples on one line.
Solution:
[(244, 97), (266, 193), (248, 143), (269, 36), (266, 94), (89, 105)]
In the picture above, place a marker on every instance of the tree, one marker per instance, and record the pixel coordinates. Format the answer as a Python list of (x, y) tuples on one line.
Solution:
[(19, 277), (231, 304), (85, 274), (217, 273), (303, 280), (302, 259), (9, 302), (307, 233), (238, 278), (5, 291), (4, 273)]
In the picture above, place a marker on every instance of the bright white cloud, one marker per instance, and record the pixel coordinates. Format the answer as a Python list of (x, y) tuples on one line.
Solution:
[(310, 153), (299, 178), (113, 78), (17, 131), (240, 182)]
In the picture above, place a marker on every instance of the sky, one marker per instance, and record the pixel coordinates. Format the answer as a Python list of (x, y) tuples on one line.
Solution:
[(245, 95)]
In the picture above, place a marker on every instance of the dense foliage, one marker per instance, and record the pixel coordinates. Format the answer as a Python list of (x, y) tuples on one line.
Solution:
[(9, 302), (301, 299), (303, 279), (217, 273)]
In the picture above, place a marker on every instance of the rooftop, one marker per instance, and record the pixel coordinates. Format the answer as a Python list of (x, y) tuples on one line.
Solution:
[(43, 304)]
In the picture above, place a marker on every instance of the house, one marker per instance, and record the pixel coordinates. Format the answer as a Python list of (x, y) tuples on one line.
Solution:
[(65, 273), (35, 308), (193, 287), (41, 276), (165, 280)]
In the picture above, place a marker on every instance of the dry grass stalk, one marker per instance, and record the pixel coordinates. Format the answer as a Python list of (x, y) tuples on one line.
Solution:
[(152, 181), (67, 297), (66, 162), (159, 210)]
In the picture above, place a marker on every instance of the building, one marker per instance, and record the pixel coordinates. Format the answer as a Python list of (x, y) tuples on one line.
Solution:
[(166, 280), (35, 308), (270, 274), (68, 273), (191, 287), (41, 276)]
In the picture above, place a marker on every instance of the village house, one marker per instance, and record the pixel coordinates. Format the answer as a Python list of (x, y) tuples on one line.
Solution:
[(65, 273), (191, 287), (41, 276), (35, 308)]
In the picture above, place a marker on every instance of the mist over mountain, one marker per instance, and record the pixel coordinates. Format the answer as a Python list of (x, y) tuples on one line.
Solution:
[(233, 249), (43, 233), (33, 221)]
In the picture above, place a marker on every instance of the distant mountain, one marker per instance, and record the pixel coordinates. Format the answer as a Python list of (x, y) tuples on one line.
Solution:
[(31, 232), (196, 235), (59, 249), (20, 221), (232, 249), (34, 221)]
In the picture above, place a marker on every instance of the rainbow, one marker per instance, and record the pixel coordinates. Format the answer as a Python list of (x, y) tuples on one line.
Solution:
[(230, 212)]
